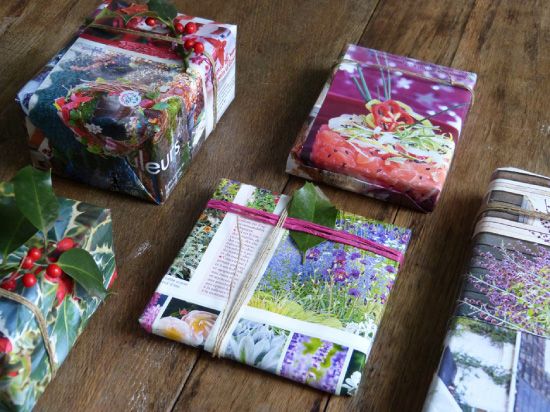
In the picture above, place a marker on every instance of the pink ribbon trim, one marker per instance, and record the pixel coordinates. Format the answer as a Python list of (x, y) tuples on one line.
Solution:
[(311, 228)]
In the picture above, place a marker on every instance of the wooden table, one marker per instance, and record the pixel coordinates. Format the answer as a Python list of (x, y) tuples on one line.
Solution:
[(285, 52)]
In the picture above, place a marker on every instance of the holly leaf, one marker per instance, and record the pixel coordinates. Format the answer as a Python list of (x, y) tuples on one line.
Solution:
[(15, 228), (164, 9), (35, 198), (81, 266), (310, 203)]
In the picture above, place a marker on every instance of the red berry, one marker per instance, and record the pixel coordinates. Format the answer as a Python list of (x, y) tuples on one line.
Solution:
[(190, 28), (34, 253), (151, 21), (9, 284), (27, 263), (188, 44), (198, 47), (29, 280), (65, 244), (53, 258), (53, 270), (179, 27)]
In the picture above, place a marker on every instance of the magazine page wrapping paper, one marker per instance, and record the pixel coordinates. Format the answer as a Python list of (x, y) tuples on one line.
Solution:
[(119, 111), (497, 350), (309, 318), (385, 126), (25, 367)]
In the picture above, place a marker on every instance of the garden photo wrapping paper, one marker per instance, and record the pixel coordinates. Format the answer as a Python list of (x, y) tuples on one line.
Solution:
[(497, 350), (25, 367), (385, 126), (117, 108), (311, 318)]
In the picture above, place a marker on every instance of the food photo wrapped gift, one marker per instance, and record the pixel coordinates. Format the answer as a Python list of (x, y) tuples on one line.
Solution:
[(51, 282), (131, 100), (307, 308), (385, 126), (497, 350)]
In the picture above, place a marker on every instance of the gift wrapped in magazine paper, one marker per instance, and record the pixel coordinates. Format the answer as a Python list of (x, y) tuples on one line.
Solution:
[(497, 350), (306, 308), (385, 126), (130, 101)]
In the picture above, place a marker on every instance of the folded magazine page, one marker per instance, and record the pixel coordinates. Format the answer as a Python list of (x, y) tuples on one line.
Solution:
[(307, 317), (385, 126), (497, 350), (120, 109)]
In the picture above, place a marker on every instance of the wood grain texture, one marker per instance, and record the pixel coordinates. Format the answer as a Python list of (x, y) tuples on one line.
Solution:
[(285, 51)]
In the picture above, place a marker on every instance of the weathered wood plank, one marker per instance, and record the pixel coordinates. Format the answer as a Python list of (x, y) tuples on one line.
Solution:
[(237, 386), (284, 52), (431, 31), (505, 127), (442, 23)]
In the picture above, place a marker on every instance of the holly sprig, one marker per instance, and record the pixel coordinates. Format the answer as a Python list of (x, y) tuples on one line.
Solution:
[(163, 12), (29, 208)]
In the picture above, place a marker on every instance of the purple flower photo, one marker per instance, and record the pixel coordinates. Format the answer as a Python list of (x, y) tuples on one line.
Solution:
[(511, 289), (314, 361), (336, 285)]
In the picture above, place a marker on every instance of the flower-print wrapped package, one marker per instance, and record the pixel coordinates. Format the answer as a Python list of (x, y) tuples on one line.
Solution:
[(497, 350), (66, 307), (311, 318), (118, 109), (385, 126)]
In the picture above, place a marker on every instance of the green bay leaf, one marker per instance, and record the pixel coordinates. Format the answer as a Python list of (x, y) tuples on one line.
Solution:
[(310, 203)]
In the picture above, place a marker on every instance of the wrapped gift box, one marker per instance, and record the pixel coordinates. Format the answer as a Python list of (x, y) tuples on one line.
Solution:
[(25, 367), (497, 350), (385, 126), (311, 318), (117, 109)]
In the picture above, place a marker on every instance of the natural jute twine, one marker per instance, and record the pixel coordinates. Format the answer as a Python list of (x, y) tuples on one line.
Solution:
[(496, 206), (39, 319), (230, 313)]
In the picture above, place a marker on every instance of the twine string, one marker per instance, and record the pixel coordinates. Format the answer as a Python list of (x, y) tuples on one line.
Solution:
[(496, 206), (222, 319), (335, 235), (42, 325), (280, 222), (232, 310), (449, 82)]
